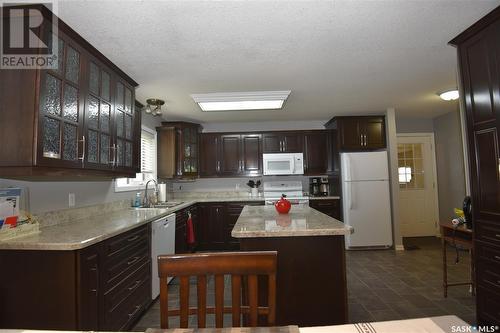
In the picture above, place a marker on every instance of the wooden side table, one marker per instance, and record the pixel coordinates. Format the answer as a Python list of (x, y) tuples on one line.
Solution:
[(457, 236)]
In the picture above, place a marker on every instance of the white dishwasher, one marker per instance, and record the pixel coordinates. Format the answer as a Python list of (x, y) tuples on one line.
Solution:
[(162, 242)]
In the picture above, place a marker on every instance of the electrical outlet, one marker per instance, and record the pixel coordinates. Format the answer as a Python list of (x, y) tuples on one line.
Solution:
[(71, 200)]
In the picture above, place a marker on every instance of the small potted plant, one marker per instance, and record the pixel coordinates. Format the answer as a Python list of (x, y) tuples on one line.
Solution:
[(254, 187)]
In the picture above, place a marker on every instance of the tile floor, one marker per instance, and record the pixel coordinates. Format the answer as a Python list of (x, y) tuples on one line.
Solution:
[(382, 285)]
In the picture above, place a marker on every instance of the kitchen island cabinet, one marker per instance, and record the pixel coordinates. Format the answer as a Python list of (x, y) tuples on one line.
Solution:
[(311, 274)]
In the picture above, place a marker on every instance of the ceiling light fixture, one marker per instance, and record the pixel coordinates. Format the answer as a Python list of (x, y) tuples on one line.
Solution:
[(236, 101), (153, 106), (449, 95)]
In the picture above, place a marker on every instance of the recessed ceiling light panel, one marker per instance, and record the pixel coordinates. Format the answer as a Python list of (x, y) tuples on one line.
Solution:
[(241, 101), (449, 95)]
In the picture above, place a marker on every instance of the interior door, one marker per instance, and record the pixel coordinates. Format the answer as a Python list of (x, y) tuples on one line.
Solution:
[(417, 181)]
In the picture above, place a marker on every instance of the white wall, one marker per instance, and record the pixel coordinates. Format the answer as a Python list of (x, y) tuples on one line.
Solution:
[(53, 195), (414, 125), (264, 126)]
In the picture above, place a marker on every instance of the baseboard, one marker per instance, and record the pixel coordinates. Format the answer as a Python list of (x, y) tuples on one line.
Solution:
[(400, 247)]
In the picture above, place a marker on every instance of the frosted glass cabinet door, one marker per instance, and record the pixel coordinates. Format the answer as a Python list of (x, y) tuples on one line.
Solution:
[(60, 128)]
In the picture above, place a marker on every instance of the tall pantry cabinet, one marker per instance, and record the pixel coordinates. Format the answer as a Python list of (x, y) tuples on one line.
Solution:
[(478, 50)]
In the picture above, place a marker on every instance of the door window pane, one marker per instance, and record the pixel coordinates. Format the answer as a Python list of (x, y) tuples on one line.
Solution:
[(94, 79), (51, 138), (70, 109), (50, 99), (92, 147), (70, 142), (105, 149), (60, 52), (72, 64), (105, 116), (93, 113), (105, 85), (411, 166)]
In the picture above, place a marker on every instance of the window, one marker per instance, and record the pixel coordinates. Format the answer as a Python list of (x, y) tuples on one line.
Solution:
[(410, 166), (148, 164)]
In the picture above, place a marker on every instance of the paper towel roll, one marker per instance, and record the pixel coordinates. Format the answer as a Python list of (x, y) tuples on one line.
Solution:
[(162, 195)]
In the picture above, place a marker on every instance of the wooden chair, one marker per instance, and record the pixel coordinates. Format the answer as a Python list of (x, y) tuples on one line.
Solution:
[(247, 265)]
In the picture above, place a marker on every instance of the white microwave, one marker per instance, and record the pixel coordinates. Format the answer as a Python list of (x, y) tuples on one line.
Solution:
[(283, 164)]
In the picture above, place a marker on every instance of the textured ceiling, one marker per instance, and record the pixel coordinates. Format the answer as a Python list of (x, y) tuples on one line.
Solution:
[(337, 57)]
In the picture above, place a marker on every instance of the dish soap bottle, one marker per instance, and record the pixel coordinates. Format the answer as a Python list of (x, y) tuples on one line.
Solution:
[(137, 202)]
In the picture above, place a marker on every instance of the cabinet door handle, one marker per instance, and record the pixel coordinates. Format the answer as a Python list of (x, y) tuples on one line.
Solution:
[(131, 239), (497, 257), (83, 150), (137, 308), (497, 235), (134, 285), (133, 261), (281, 146), (218, 166)]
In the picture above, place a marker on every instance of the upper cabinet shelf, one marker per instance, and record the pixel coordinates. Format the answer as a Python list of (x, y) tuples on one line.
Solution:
[(361, 133), (78, 119)]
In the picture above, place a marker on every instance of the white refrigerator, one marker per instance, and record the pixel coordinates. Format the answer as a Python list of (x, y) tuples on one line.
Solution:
[(366, 199)]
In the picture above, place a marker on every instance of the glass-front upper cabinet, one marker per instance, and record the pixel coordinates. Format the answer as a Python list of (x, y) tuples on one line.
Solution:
[(100, 145), (190, 148), (125, 126), (60, 108)]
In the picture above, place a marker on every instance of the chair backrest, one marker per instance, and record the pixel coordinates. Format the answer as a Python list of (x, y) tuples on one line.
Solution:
[(244, 268)]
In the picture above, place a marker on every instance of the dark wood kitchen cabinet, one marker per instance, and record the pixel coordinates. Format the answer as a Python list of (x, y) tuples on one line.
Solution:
[(70, 116), (216, 221), (181, 218), (478, 50), (318, 157), (283, 142), (330, 207), (359, 133), (178, 150), (103, 287), (230, 154), (212, 226)]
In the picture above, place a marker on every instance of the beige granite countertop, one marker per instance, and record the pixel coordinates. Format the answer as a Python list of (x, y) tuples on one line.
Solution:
[(90, 225), (302, 220), (93, 225)]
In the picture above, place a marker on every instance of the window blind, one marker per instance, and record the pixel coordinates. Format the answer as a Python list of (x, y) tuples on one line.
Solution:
[(147, 152)]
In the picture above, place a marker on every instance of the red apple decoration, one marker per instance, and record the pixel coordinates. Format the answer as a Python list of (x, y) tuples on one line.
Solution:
[(283, 205)]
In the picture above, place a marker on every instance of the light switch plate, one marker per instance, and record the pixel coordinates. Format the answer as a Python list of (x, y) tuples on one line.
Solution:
[(71, 200)]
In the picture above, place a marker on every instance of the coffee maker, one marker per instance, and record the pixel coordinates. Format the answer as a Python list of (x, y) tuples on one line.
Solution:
[(319, 186)]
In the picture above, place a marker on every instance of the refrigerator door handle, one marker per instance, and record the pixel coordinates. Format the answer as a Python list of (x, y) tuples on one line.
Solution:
[(347, 167)]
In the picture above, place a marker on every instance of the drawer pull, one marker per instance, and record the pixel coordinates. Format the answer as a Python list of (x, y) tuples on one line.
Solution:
[(135, 285), (497, 257), (137, 308), (131, 239), (133, 261)]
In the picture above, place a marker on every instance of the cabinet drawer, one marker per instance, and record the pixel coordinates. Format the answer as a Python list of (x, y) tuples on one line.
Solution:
[(121, 317), (116, 270), (126, 287), (488, 306), (488, 233), (488, 276), (488, 253), (117, 245)]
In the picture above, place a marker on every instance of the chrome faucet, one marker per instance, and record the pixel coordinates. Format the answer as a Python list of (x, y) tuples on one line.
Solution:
[(146, 202)]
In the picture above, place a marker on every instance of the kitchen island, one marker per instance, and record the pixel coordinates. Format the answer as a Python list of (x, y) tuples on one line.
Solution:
[(311, 274)]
